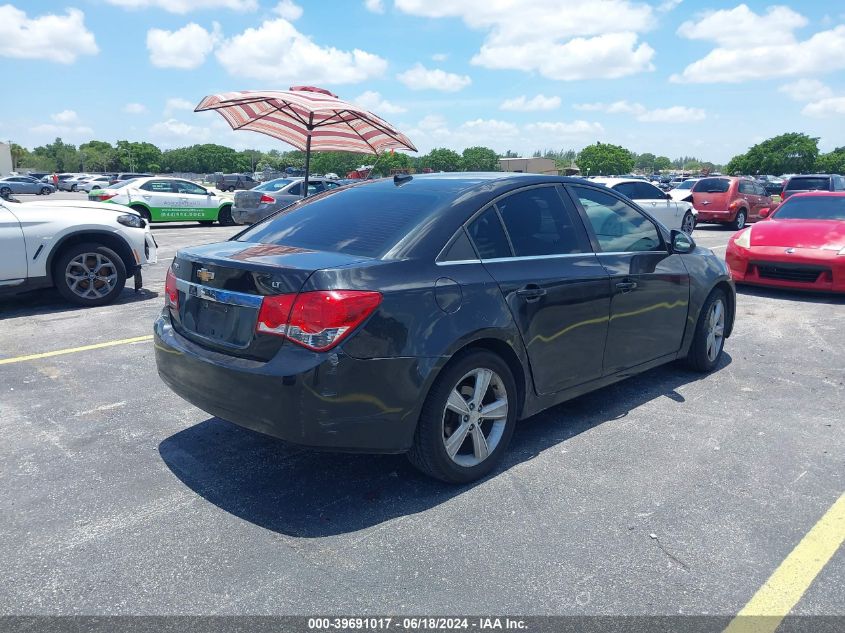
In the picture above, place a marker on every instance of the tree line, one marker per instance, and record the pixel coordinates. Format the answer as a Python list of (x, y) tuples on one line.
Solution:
[(787, 153)]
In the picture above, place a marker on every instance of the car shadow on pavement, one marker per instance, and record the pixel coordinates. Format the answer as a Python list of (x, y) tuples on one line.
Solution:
[(785, 294), (303, 493), (49, 301)]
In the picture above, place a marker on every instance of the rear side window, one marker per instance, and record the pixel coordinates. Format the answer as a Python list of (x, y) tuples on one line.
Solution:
[(159, 186), (746, 187), (488, 236), (364, 220), (639, 191), (712, 185), (539, 224), (808, 184)]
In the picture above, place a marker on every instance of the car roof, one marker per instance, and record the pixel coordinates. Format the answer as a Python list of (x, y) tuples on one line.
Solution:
[(816, 194), (611, 182), (811, 176)]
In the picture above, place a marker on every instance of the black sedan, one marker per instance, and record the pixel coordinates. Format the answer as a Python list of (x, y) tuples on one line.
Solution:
[(427, 314)]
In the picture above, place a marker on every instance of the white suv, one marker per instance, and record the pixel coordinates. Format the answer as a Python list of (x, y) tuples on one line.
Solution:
[(673, 214), (85, 249)]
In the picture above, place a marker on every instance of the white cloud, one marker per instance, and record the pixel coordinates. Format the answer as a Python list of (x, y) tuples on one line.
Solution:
[(134, 108), (56, 38), (524, 104), (184, 6), (753, 46), (440, 57), (376, 6), (668, 5), (419, 77), (73, 131), (806, 90), (177, 103), (583, 39), (185, 48), (276, 52), (433, 131), (828, 107), (173, 132), (673, 114), (65, 117), (288, 10), (373, 102)]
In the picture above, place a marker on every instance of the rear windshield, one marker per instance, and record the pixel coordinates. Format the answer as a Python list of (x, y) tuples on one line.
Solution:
[(812, 208), (273, 185), (808, 184), (122, 183), (365, 220), (687, 184), (712, 185)]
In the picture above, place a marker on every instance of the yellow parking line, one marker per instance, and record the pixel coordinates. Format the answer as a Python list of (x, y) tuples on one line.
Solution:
[(73, 350), (784, 588)]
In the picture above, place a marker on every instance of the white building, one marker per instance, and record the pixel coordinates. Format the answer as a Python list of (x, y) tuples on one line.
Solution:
[(5, 159)]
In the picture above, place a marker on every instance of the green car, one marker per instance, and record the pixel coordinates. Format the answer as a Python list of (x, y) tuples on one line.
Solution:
[(162, 199)]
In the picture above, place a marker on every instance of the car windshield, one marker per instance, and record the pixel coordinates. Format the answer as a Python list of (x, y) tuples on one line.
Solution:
[(812, 208), (274, 185), (808, 184), (712, 185), (366, 220)]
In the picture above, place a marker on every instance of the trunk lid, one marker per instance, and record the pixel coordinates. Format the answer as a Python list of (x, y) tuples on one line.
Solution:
[(221, 287), (248, 199)]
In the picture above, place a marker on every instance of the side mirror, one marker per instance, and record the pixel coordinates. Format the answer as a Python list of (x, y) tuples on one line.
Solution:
[(681, 242), (668, 196), (764, 213)]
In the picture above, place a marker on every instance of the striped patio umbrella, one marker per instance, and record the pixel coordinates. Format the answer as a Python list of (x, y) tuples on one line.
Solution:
[(307, 118)]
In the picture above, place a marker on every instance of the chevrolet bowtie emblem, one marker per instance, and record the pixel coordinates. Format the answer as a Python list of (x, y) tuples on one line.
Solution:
[(789, 251), (205, 275)]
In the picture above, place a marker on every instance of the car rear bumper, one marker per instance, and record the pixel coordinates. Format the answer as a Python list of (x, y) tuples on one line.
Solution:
[(803, 269), (716, 216), (250, 216), (321, 400)]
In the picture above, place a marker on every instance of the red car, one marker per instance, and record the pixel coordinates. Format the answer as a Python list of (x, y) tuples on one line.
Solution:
[(729, 200), (800, 246)]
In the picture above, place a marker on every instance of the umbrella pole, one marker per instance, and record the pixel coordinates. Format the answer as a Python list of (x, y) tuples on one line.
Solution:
[(307, 164)]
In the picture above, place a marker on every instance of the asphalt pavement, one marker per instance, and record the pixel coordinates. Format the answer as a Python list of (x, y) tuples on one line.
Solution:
[(669, 493)]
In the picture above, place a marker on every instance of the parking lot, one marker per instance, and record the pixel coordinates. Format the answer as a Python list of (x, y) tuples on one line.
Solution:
[(669, 493)]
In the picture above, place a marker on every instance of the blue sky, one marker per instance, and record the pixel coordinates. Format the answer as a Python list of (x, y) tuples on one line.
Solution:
[(676, 78)]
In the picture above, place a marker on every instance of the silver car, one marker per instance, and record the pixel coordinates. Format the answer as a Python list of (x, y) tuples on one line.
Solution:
[(257, 203), (24, 184)]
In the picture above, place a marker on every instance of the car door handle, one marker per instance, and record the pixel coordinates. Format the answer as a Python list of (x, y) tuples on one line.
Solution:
[(531, 292), (626, 286)]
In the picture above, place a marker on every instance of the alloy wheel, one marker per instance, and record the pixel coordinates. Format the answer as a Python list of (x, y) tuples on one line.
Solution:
[(715, 330), (688, 224), (91, 275), (475, 416)]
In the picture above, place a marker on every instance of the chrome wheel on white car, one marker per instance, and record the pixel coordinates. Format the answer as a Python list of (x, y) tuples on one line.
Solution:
[(688, 223), (90, 274)]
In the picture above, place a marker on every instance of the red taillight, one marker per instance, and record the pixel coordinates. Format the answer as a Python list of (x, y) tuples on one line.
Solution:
[(102, 197), (318, 320), (171, 294), (265, 199)]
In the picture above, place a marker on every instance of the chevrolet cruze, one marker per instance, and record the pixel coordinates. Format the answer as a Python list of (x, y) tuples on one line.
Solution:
[(427, 314)]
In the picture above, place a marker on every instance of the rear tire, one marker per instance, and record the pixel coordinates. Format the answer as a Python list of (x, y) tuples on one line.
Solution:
[(89, 274), (739, 221), (5, 191), (230, 188), (145, 213), (46, 191), (688, 223), (74, 188), (709, 339), (225, 216), (455, 441)]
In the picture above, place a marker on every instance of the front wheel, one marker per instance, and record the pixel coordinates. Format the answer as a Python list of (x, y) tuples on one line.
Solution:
[(709, 338), (688, 223), (739, 221), (46, 191), (467, 420), (89, 274), (5, 191), (230, 188), (74, 188)]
